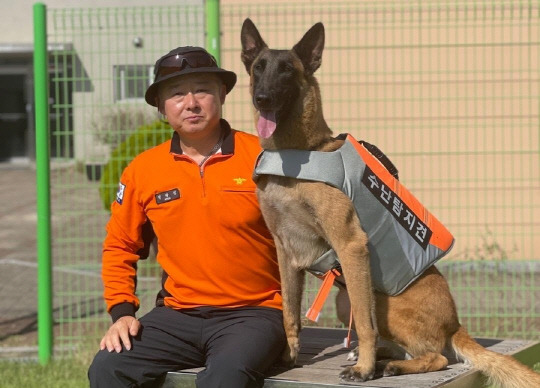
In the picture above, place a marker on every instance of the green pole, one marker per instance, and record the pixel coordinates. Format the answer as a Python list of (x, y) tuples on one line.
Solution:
[(213, 38), (41, 97)]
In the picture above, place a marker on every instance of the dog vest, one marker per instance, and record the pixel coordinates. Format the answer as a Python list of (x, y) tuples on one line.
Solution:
[(404, 239)]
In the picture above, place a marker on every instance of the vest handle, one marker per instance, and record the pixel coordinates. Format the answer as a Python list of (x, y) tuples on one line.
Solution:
[(375, 151)]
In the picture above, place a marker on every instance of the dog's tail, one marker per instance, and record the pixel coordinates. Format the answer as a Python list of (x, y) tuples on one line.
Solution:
[(501, 370)]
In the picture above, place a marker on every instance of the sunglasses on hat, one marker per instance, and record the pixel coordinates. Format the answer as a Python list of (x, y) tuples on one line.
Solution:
[(178, 62)]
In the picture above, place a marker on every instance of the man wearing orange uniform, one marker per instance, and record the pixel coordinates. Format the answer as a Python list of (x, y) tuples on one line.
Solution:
[(220, 304)]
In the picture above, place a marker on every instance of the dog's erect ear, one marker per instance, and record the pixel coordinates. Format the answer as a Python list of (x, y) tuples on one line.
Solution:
[(310, 48), (252, 43)]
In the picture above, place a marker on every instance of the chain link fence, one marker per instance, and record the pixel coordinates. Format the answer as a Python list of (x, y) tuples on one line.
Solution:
[(449, 90)]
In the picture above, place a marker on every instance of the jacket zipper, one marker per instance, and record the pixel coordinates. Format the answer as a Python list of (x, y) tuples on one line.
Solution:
[(201, 173)]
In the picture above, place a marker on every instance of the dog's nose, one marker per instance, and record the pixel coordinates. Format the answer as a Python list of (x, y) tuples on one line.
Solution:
[(262, 100)]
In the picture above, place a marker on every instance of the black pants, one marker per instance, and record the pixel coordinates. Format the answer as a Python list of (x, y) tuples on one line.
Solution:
[(236, 347)]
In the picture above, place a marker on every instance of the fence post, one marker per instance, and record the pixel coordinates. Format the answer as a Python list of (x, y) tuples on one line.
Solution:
[(41, 100), (213, 38)]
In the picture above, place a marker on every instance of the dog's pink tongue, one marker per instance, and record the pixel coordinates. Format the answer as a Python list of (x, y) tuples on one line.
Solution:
[(267, 123)]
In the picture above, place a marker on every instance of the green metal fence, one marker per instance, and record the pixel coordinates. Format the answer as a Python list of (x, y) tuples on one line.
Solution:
[(102, 62), (450, 90)]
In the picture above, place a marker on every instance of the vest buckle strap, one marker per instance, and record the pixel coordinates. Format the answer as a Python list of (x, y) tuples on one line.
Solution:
[(328, 281)]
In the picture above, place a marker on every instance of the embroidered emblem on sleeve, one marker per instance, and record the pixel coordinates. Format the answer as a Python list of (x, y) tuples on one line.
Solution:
[(120, 193)]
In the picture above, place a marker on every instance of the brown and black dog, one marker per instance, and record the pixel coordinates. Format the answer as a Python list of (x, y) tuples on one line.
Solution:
[(307, 218)]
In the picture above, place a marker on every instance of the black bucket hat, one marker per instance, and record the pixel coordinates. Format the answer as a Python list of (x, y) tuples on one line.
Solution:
[(186, 60)]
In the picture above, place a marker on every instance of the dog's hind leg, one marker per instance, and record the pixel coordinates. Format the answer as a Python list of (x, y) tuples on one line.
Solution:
[(386, 350), (428, 362), (420, 320)]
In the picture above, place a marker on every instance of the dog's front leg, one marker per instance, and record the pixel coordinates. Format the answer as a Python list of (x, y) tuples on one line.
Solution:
[(292, 285), (345, 234), (341, 228), (354, 259)]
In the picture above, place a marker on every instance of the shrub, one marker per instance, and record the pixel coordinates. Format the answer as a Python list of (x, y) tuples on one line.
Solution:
[(113, 125), (145, 137)]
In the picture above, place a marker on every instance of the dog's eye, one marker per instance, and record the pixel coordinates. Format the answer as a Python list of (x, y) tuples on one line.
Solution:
[(259, 66), (286, 67)]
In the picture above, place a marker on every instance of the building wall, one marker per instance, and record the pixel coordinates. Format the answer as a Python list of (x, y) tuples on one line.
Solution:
[(17, 24), (449, 90), (16, 47)]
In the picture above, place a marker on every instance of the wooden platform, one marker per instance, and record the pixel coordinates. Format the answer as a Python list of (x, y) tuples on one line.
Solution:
[(322, 357)]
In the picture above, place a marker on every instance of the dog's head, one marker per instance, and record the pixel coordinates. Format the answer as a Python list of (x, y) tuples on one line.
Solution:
[(280, 78)]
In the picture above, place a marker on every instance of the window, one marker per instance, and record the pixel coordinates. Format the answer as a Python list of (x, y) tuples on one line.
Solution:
[(131, 81)]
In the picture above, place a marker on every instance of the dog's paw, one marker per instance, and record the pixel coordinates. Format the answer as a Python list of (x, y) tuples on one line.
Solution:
[(354, 373), (290, 354), (391, 370), (353, 355)]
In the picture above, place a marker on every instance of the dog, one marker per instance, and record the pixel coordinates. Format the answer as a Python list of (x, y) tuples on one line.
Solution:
[(307, 218)]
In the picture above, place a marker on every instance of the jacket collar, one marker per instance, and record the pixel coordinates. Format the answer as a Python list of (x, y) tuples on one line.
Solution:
[(227, 147)]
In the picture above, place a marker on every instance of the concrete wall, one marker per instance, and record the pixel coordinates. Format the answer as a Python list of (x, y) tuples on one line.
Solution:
[(449, 90)]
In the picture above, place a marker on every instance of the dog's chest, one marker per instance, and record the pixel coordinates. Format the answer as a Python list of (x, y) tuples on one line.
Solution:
[(289, 215)]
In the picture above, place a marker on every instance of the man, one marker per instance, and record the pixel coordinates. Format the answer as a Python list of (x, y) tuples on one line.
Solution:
[(220, 305)]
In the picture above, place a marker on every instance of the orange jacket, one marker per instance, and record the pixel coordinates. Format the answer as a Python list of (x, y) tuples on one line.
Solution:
[(213, 244)]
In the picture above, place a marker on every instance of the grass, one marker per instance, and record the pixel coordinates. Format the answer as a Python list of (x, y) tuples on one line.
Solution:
[(61, 372), (65, 373)]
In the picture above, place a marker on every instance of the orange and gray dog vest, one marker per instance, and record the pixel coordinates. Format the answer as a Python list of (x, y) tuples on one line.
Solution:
[(404, 238)]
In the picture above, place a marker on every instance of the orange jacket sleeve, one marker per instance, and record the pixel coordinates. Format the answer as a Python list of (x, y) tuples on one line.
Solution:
[(122, 249)]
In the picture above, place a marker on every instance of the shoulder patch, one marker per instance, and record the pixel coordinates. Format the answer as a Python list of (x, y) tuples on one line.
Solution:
[(120, 192)]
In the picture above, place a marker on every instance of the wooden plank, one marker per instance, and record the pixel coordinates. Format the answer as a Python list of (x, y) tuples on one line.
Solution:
[(322, 357)]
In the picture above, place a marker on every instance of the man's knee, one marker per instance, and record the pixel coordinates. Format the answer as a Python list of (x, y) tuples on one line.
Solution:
[(106, 369), (229, 373), (125, 369), (103, 364)]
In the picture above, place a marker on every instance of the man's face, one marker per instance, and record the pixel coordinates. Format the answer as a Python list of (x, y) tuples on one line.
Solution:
[(192, 103)]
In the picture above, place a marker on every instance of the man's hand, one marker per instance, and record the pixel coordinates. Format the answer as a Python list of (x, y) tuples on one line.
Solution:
[(119, 333)]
